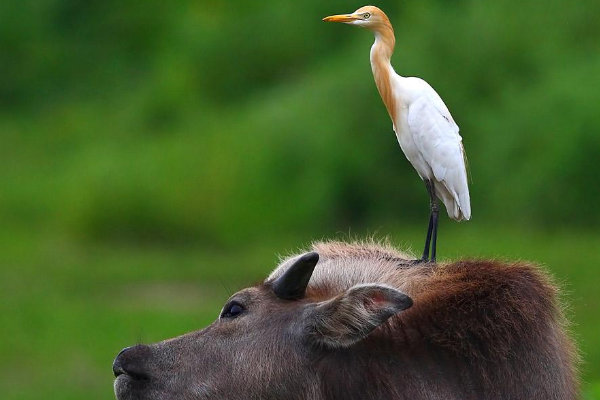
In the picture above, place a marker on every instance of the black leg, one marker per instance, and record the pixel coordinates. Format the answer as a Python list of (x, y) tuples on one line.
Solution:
[(428, 239), (431, 239), (433, 223), (434, 214)]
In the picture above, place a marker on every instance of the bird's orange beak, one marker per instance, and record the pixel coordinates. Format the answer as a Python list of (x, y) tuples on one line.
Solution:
[(341, 18)]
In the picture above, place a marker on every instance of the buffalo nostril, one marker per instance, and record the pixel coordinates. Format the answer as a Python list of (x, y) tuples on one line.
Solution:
[(117, 369), (124, 350), (117, 364), (130, 362)]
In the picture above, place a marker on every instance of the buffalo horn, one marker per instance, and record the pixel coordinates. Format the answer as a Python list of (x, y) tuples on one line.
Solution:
[(292, 284)]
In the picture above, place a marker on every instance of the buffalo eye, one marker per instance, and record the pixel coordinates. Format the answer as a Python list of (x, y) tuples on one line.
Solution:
[(232, 310)]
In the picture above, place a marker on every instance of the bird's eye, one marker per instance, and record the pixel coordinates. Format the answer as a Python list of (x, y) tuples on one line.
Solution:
[(232, 310), (366, 15)]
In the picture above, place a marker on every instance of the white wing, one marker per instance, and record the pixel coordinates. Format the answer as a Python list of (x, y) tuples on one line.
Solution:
[(435, 135)]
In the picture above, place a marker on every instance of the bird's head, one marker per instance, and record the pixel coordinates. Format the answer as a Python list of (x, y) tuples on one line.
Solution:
[(369, 17)]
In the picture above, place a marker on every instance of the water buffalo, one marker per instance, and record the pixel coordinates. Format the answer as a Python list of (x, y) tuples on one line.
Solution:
[(357, 321)]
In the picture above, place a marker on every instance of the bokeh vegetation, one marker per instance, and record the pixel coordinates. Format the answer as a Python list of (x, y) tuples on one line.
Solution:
[(157, 155)]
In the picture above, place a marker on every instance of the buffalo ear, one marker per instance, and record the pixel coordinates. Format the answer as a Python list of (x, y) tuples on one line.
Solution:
[(351, 316), (294, 281)]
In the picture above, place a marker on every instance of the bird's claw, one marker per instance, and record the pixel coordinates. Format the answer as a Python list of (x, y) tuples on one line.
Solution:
[(410, 263)]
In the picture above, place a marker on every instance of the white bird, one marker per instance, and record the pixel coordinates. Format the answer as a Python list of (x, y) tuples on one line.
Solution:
[(424, 127)]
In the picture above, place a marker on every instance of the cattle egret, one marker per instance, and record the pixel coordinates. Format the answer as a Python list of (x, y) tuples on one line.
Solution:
[(424, 127)]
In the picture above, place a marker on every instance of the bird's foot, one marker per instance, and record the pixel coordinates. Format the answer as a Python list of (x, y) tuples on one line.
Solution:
[(410, 263)]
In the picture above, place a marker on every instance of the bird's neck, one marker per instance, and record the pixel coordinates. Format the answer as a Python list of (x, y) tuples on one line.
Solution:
[(381, 53)]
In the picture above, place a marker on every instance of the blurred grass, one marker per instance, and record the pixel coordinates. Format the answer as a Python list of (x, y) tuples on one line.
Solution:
[(67, 309)]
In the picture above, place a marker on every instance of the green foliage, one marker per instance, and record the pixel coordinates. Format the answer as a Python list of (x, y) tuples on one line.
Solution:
[(187, 122), (224, 125)]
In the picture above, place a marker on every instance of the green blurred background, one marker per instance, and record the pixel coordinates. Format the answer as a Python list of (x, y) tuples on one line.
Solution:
[(156, 156)]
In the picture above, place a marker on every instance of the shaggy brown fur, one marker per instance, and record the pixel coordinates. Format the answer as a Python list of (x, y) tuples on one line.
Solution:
[(477, 329), (495, 328)]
